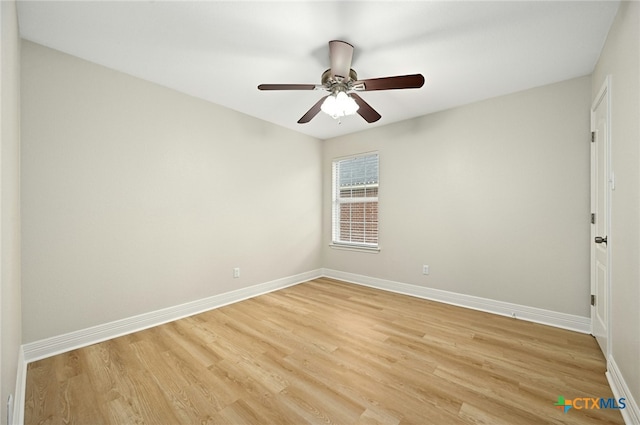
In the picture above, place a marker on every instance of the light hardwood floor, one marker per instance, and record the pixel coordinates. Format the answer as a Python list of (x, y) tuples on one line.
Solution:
[(326, 352)]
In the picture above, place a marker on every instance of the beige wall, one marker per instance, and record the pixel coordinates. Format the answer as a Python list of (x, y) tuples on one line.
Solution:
[(620, 58), (493, 196), (136, 197), (10, 303)]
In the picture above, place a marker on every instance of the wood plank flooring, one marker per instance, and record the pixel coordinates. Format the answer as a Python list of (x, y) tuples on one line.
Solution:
[(326, 352)]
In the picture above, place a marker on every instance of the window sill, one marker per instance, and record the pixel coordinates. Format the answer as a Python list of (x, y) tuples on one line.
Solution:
[(359, 248)]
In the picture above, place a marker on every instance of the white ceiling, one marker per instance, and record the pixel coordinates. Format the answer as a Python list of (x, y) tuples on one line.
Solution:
[(221, 50)]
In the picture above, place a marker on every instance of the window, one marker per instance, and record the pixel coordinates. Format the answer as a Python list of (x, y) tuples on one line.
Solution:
[(355, 201)]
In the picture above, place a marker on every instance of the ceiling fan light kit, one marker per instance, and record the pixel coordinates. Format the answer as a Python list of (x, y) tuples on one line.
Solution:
[(339, 105), (342, 82)]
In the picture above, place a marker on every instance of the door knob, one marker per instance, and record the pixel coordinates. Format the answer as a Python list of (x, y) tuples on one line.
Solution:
[(600, 239)]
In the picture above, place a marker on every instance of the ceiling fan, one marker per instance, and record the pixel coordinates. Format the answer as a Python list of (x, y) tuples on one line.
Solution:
[(342, 82)]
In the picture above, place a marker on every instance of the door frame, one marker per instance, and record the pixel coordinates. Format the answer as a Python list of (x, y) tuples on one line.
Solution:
[(605, 90)]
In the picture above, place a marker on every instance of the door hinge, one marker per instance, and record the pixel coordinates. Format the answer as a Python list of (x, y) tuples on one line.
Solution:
[(593, 137), (593, 300), (593, 218)]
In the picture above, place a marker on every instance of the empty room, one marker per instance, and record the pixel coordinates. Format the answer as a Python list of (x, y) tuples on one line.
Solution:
[(334, 212)]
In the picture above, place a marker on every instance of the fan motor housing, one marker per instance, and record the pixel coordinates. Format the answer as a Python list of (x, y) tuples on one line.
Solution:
[(329, 82)]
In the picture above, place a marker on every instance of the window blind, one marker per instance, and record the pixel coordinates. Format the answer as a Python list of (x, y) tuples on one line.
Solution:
[(355, 201)]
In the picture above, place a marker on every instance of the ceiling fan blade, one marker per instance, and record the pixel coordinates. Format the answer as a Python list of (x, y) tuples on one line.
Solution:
[(413, 81), (312, 112), (340, 55), (366, 111), (286, 87)]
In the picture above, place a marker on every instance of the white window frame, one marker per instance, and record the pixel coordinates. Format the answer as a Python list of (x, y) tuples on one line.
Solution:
[(337, 201)]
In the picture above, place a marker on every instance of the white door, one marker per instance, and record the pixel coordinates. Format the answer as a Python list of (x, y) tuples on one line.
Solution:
[(601, 185)]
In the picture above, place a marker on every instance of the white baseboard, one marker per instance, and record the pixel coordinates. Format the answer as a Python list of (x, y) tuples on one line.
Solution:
[(631, 413), (62, 343), (531, 314), (21, 382)]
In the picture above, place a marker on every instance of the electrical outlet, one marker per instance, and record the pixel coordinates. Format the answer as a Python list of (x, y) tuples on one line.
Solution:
[(425, 269), (236, 272)]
